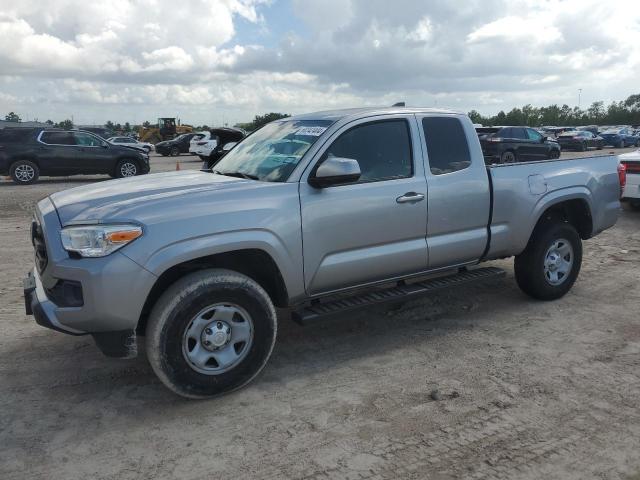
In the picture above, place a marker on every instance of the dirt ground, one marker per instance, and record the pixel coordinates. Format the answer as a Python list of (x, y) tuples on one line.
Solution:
[(524, 389)]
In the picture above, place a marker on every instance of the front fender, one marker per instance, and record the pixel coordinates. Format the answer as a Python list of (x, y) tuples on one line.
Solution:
[(289, 262)]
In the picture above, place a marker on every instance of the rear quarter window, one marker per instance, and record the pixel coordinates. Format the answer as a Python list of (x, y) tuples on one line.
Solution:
[(447, 145), (15, 135)]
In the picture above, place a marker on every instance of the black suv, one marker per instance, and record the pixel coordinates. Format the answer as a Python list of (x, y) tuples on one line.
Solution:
[(515, 144), (175, 146), (27, 153)]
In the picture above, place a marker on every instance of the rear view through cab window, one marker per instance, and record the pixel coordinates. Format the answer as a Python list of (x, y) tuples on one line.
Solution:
[(447, 145)]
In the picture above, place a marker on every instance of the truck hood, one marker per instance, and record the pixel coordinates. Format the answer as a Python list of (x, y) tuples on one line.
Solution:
[(143, 198)]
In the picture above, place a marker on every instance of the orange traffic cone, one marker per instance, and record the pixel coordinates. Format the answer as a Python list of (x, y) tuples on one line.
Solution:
[(177, 166)]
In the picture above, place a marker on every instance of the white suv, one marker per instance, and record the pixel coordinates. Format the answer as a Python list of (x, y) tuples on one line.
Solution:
[(202, 144)]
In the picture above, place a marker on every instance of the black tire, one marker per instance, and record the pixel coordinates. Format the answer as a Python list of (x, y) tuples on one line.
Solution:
[(24, 172), (173, 314), (623, 144), (127, 167), (554, 153), (164, 154), (530, 264), (175, 151), (600, 147), (583, 147), (508, 157), (634, 203)]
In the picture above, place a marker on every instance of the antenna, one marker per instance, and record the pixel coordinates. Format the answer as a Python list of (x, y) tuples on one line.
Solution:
[(399, 104)]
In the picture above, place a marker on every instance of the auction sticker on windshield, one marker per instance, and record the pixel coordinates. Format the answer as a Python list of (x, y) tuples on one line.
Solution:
[(311, 131)]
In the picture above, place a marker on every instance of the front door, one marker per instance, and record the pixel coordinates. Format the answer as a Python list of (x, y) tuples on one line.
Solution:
[(373, 229), (92, 154)]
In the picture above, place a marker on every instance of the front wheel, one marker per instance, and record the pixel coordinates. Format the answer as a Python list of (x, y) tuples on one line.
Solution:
[(210, 333), (175, 151), (553, 154), (549, 266), (126, 168)]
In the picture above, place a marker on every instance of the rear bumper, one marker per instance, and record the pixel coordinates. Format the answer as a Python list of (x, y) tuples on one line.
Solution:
[(632, 187)]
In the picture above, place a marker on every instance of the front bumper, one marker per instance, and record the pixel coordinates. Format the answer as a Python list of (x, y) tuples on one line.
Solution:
[(37, 303), (113, 290)]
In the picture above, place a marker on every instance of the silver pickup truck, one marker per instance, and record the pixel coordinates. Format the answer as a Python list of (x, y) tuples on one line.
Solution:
[(317, 214)]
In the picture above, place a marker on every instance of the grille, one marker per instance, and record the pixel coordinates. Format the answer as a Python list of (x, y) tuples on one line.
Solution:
[(37, 239)]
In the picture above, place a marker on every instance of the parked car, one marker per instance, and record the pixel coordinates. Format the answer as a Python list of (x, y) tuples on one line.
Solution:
[(516, 144), (175, 146), (580, 140), (221, 140), (33, 152), (620, 138), (320, 214), (631, 193), (197, 140), (131, 142), (589, 128), (102, 132)]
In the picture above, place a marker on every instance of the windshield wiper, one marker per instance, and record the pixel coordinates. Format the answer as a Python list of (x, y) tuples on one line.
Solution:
[(237, 174)]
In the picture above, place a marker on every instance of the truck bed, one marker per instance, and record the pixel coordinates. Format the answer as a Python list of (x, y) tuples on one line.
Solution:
[(521, 192)]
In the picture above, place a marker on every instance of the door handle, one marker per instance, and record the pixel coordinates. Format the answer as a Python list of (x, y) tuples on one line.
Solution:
[(410, 197)]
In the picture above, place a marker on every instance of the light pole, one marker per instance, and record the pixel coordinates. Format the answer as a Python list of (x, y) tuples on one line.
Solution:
[(579, 97)]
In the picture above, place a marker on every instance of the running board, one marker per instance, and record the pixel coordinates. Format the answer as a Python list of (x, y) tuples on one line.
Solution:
[(399, 292)]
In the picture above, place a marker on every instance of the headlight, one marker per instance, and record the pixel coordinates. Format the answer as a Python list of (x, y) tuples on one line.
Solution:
[(98, 240)]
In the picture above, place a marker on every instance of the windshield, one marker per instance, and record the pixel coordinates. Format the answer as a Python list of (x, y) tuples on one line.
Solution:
[(272, 152)]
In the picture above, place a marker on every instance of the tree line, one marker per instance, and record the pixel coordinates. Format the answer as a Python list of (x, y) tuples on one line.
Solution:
[(625, 112)]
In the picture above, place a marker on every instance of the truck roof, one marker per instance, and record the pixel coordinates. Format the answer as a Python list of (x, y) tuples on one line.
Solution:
[(336, 115)]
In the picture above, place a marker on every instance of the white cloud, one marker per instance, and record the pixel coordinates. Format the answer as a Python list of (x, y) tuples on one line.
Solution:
[(127, 60)]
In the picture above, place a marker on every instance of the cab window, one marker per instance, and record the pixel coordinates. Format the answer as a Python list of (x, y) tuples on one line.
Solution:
[(382, 149)]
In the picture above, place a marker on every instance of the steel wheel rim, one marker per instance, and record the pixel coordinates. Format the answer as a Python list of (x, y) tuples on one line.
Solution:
[(128, 169), (229, 330), (558, 262), (24, 173)]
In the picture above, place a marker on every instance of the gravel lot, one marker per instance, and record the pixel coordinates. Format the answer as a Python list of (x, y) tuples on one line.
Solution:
[(524, 389)]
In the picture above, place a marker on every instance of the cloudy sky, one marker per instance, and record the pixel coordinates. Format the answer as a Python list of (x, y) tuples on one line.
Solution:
[(214, 61)]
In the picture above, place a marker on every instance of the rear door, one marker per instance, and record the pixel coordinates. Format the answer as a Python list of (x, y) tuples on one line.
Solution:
[(373, 229), (458, 195), (56, 153), (93, 155)]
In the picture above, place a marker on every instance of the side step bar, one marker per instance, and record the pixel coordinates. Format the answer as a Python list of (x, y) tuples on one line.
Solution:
[(400, 292)]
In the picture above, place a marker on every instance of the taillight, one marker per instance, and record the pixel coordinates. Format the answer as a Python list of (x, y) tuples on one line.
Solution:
[(622, 176)]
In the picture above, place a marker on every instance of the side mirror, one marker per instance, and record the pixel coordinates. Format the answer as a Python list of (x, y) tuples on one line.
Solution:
[(334, 171), (228, 146)]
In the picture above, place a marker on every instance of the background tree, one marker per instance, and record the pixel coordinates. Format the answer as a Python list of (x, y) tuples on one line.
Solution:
[(109, 125), (12, 117), (261, 120), (65, 124)]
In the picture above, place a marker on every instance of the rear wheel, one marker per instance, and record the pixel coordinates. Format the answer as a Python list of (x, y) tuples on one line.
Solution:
[(555, 153), (508, 157), (175, 151), (126, 168), (549, 266), (24, 172), (211, 333)]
